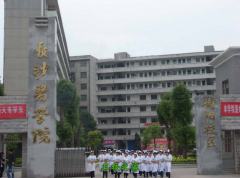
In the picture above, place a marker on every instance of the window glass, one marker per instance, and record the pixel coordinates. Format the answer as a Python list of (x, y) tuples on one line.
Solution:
[(146, 85), (168, 62), (155, 85), (103, 88), (150, 85), (107, 77), (203, 82), (145, 74), (72, 64), (107, 66), (143, 109), (150, 63), (189, 72), (202, 59), (179, 72), (198, 83), (128, 87), (197, 59), (83, 74), (145, 63), (163, 73), (83, 63), (141, 74), (128, 75), (127, 64), (174, 61), (153, 97), (203, 71), (189, 83), (174, 72), (154, 74), (168, 85), (140, 63), (132, 63), (184, 72), (142, 97), (83, 86), (184, 61), (150, 74), (83, 97), (154, 63), (103, 99), (141, 86), (82, 109), (179, 61), (163, 62), (143, 120), (189, 60), (163, 85), (197, 71), (154, 120)]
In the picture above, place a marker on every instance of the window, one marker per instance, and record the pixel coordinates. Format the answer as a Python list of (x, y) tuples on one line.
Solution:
[(203, 71), (153, 108), (164, 85), (168, 62), (145, 63), (141, 74), (150, 74), (197, 71), (103, 122), (194, 71), (179, 72), (83, 86), (202, 59), (163, 73), (114, 132), (227, 140), (189, 83), (203, 82), (174, 61), (174, 84), (129, 132), (101, 67), (150, 63), (174, 72), (145, 75), (184, 61), (132, 63), (179, 61), (104, 132), (146, 85), (153, 120), (153, 97), (155, 85), (225, 87), (128, 87), (103, 99), (113, 77), (154, 74), (101, 78), (169, 73), (103, 88), (141, 86), (128, 75), (72, 76), (150, 85), (197, 59), (128, 109), (143, 108), (184, 72), (154, 63), (143, 120), (82, 109), (198, 83), (72, 64), (107, 77), (132, 86), (132, 75), (84, 97), (140, 63), (128, 98), (127, 64), (83, 74), (107, 66), (102, 110), (83, 63), (163, 62), (189, 60), (129, 120), (168, 85), (189, 72), (142, 97)]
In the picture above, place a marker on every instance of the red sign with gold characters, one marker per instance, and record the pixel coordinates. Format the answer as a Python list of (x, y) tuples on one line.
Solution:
[(230, 108), (13, 111)]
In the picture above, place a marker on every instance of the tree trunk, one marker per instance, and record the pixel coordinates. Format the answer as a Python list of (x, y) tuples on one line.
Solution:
[(62, 116), (72, 140), (78, 134), (185, 149), (175, 148), (168, 138)]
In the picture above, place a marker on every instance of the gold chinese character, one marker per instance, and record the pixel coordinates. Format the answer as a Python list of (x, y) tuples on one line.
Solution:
[(210, 115), (44, 135), (41, 50), (39, 113), (44, 70), (41, 93), (210, 129), (210, 142), (209, 103)]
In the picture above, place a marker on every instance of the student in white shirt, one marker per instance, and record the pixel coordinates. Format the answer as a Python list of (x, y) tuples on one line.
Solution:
[(100, 162), (111, 161), (118, 159), (161, 163), (135, 160), (91, 163), (126, 163), (150, 164), (155, 161), (145, 164), (168, 161), (140, 165), (105, 167)]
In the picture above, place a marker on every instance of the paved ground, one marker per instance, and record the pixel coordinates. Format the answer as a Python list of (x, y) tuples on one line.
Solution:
[(178, 171)]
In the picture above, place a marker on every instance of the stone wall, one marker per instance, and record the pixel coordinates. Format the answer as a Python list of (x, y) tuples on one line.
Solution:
[(237, 157), (13, 125), (24, 155)]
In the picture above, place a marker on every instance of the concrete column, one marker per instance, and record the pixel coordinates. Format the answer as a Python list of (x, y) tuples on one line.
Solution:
[(24, 155)]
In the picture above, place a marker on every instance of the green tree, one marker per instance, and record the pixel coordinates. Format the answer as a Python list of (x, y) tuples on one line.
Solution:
[(182, 109), (12, 145), (146, 139), (165, 117), (137, 142), (66, 96), (72, 117), (1, 90), (64, 132), (94, 139), (88, 123), (153, 131), (184, 133)]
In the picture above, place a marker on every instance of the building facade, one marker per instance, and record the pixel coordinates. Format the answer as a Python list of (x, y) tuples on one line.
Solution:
[(122, 93), (16, 41)]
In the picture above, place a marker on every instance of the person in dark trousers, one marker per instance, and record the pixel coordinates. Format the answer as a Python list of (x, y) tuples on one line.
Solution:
[(2, 164), (11, 162)]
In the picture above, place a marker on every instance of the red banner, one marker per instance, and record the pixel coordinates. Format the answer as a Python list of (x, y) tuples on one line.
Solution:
[(230, 108), (147, 124), (161, 144), (109, 142), (13, 111)]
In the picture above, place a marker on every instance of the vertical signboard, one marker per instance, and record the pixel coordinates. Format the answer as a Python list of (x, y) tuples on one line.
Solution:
[(208, 135), (41, 143)]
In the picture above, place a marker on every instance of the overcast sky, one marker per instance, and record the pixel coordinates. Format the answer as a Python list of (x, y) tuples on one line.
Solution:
[(145, 27)]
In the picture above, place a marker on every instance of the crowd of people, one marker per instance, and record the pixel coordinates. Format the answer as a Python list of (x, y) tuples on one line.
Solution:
[(149, 163)]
